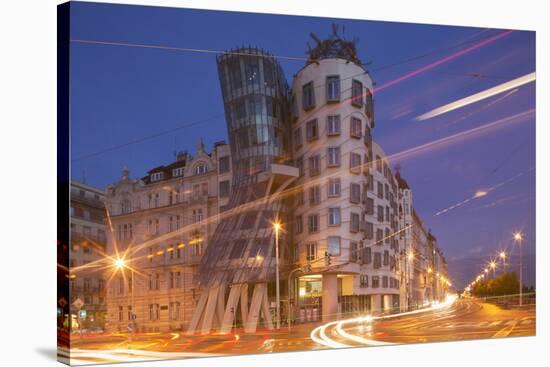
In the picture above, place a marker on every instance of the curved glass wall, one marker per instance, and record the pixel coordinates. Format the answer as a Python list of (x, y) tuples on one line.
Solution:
[(256, 107)]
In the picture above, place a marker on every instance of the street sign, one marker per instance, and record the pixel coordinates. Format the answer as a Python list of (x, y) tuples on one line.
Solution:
[(78, 303), (82, 314)]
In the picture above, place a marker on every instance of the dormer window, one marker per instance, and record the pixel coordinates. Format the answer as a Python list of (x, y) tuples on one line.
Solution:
[(157, 176), (177, 172), (201, 169)]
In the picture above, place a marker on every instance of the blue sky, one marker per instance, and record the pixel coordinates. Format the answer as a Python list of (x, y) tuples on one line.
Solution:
[(122, 94)]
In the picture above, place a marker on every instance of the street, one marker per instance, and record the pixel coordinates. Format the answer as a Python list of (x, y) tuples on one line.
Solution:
[(460, 319)]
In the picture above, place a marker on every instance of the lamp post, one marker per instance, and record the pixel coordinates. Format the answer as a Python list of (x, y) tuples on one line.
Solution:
[(502, 256), (518, 237), (120, 264), (277, 227)]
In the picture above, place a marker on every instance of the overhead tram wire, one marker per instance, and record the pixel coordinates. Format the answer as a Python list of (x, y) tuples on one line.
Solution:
[(145, 138), (183, 49)]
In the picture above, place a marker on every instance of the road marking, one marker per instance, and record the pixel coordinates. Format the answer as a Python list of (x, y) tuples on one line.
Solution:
[(505, 331), (494, 323), (526, 322)]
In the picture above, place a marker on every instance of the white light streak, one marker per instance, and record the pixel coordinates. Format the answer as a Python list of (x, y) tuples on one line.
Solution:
[(478, 96)]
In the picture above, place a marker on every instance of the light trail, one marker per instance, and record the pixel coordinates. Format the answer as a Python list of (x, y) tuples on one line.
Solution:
[(325, 340), (512, 84), (93, 356), (481, 193), (404, 154), (444, 60)]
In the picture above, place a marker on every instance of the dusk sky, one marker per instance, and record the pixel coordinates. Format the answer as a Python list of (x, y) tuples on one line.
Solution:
[(124, 98)]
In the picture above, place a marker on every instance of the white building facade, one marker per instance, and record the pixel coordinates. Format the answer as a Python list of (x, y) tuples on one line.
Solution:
[(345, 200)]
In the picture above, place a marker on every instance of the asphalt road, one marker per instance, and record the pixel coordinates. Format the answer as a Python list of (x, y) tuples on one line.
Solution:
[(464, 319)]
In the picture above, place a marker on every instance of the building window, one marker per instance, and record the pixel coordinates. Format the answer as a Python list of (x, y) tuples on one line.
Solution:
[(354, 222), (379, 163), (308, 96), (315, 195), (380, 190), (386, 257), (380, 213), (300, 166), (334, 216), (299, 224), (333, 187), (224, 188), (384, 281), (369, 106), (154, 312), (369, 207), (157, 200), (376, 281), (355, 162), (313, 223), (355, 128), (157, 176), (300, 200), (333, 157), (297, 138), (333, 125), (377, 260), (224, 164), (197, 216), (363, 281), (196, 191), (357, 93), (355, 193), (201, 169), (312, 130), (333, 88), (314, 165), (367, 258), (369, 230), (353, 251), (120, 313), (311, 251), (334, 245), (252, 70), (379, 236), (177, 172), (370, 182)]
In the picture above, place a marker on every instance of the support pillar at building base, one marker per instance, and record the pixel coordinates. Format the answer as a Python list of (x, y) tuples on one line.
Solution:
[(330, 297)]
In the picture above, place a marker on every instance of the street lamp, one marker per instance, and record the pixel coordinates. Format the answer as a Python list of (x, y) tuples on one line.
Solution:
[(277, 228), (502, 256), (518, 237), (493, 266), (120, 264)]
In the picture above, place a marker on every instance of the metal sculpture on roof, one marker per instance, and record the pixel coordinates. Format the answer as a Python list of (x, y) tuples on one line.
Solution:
[(334, 46)]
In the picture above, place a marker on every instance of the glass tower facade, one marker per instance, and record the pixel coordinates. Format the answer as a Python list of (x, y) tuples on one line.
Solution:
[(255, 99)]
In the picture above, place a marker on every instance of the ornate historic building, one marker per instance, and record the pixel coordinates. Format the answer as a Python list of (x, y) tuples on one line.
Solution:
[(161, 225)]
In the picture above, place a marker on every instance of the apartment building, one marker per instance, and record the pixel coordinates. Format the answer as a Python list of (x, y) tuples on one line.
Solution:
[(161, 225)]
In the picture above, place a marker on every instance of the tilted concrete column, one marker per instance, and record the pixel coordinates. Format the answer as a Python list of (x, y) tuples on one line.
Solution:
[(330, 297)]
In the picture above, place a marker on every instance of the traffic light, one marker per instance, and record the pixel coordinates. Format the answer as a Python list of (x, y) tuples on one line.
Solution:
[(328, 259)]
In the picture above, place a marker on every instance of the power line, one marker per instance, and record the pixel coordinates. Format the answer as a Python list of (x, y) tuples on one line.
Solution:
[(145, 138), (140, 140)]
